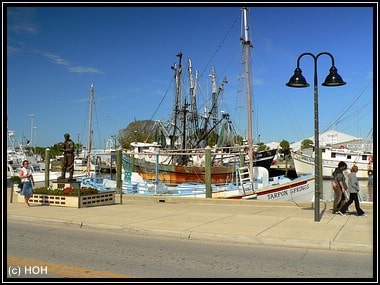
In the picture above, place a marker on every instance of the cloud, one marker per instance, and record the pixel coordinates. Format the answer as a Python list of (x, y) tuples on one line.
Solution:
[(24, 29), (56, 59), (81, 69), (13, 50), (22, 21)]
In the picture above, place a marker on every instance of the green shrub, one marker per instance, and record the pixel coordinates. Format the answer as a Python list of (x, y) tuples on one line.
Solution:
[(67, 191), (15, 179)]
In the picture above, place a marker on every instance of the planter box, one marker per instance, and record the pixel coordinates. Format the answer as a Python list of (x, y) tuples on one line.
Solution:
[(100, 199)]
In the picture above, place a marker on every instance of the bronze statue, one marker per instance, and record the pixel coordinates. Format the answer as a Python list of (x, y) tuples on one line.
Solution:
[(68, 157)]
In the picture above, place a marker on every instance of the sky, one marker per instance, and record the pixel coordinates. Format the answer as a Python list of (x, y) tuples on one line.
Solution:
[(53, 54)]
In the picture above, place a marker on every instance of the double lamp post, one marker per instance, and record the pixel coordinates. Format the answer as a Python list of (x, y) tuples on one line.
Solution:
[(298, 81)]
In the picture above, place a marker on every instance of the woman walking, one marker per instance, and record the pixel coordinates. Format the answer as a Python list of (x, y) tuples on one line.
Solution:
[(353, 188), (26, 180)]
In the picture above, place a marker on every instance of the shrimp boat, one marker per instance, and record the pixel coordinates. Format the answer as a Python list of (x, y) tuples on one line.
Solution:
[(180, 155)]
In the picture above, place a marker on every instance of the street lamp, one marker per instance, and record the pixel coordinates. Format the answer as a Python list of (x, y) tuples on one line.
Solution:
[(298, 81)]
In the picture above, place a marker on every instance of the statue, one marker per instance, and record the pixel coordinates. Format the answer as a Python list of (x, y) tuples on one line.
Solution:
[(68, 157)]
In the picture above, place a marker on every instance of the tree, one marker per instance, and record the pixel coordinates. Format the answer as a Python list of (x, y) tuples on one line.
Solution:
[(285, 148), (139, 131), (261, 147), (306, 144)]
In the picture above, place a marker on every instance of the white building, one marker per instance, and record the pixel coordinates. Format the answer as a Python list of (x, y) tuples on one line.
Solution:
[(327, 138)]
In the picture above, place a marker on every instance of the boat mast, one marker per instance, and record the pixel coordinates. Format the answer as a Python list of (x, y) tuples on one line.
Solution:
[(177, 98), (246, 45), (193, 98), (214, 105), (89, 138)]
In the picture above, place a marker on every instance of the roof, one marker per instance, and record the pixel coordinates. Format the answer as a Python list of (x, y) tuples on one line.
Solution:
[(330, 137)]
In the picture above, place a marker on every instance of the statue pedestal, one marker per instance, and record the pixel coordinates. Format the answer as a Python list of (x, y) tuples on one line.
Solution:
[(64, 183)]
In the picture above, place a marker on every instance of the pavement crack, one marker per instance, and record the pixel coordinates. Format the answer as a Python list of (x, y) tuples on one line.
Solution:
[(271, 227), (340, 230)]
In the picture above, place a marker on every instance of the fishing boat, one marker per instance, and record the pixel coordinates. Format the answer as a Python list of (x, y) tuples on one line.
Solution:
[(304, 160), (180, 155)]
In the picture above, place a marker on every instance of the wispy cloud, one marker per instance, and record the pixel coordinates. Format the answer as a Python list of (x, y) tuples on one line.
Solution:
[(11, 50), (81, 69), (21, 21), (27, 28), (56, 59)]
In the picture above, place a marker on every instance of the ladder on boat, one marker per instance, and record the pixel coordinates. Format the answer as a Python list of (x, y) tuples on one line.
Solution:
[(245, 178)]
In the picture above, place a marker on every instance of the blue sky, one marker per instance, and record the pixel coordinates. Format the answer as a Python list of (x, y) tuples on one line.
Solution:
[(54, 54)]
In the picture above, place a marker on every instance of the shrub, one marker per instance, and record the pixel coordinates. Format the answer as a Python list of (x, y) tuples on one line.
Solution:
[(67, 191), (15, 179)]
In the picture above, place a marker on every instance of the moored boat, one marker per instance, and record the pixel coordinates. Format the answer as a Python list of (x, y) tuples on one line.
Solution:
[(304, 161)]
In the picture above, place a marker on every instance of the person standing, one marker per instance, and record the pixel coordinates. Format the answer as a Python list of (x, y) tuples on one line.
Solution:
[(27, 181), (339, 185), (68, 157), (353, 188)]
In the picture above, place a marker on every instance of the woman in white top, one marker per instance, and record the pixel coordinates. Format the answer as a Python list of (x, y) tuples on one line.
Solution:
[(27, 180), (353, 188)]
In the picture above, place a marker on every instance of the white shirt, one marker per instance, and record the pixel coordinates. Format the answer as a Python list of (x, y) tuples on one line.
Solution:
[(26, 172)]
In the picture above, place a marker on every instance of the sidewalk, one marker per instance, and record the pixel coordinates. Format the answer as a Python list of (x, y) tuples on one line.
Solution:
[(288, 224)]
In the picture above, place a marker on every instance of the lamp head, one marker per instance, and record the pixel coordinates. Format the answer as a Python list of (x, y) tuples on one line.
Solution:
[(333, 79), (297, 80)]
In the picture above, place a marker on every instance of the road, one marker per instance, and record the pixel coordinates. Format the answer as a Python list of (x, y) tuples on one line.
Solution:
[(66, 251)]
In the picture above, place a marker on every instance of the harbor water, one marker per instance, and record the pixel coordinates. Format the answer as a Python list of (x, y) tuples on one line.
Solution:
[(365, 193)]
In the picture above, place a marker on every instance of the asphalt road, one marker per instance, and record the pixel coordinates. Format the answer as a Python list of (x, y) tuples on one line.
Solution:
[(67, 251)]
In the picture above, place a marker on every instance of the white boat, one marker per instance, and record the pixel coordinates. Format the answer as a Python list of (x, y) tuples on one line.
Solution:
[(304, 161), (278, 188), (16, 154), (38, 173), (80, 163)]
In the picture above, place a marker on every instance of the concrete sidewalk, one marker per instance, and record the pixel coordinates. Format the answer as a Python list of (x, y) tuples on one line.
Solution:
[(287, 224)]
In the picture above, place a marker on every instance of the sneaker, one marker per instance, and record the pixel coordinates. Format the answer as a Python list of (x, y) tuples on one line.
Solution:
[(340, 213), (362, 215)]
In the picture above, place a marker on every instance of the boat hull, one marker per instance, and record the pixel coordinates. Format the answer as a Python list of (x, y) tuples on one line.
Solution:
[(177, 174), (299, 189)]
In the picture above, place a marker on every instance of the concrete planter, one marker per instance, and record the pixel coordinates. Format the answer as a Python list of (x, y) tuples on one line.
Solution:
[(100, 199)]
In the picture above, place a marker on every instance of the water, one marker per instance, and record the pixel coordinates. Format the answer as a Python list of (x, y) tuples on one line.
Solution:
[(365, 193)]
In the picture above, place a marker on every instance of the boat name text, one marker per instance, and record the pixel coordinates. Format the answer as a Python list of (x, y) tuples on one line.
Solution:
[(285, 192)]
